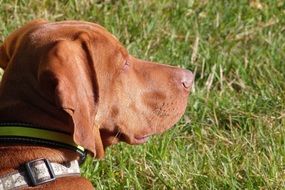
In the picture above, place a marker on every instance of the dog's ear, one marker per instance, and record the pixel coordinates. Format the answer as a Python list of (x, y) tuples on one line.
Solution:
[(68, 75), (3, 57), (12, 42)]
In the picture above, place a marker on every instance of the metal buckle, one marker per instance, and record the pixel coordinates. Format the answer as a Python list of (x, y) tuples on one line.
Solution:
[(35, 174)]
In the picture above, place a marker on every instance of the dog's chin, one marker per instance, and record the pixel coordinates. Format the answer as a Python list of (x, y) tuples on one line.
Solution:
[(111, 138)]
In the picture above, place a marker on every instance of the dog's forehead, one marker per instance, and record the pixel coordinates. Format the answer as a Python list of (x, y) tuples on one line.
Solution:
[(69, 30)]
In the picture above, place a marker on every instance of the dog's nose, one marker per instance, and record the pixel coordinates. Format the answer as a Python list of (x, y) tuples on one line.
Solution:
[(187, 79)]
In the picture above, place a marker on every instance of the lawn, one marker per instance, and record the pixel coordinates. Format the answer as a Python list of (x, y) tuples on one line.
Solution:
[(232, 135)]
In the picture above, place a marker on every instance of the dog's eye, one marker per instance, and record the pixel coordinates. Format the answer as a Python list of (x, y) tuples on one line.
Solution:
[(126, 64)]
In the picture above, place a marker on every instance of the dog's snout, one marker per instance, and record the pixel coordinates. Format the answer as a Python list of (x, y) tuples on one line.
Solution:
[(187, 79)]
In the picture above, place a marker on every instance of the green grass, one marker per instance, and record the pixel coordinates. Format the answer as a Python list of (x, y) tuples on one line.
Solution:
[(232, 135)]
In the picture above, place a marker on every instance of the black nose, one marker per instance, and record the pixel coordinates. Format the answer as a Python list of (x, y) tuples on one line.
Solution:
[(187, 79)]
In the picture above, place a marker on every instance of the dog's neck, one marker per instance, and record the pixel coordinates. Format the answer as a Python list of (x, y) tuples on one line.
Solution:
[(20, 112), (12, 156)]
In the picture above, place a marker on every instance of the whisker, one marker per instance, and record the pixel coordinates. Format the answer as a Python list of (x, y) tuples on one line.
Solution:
[(116, 136)]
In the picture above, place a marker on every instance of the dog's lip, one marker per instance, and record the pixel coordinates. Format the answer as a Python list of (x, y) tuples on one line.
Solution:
[(141, 139)]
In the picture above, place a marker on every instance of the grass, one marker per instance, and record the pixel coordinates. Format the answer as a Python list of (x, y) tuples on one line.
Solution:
[(232, 135)]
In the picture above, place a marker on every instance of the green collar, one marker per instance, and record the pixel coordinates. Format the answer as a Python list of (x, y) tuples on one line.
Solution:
[(24, 131)]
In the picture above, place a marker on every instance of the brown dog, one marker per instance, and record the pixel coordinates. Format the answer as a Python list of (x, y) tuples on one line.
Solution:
[(75, 79)]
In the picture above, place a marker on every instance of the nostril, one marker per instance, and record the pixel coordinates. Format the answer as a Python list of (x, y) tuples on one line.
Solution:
[(186, 84), (187, 79)]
